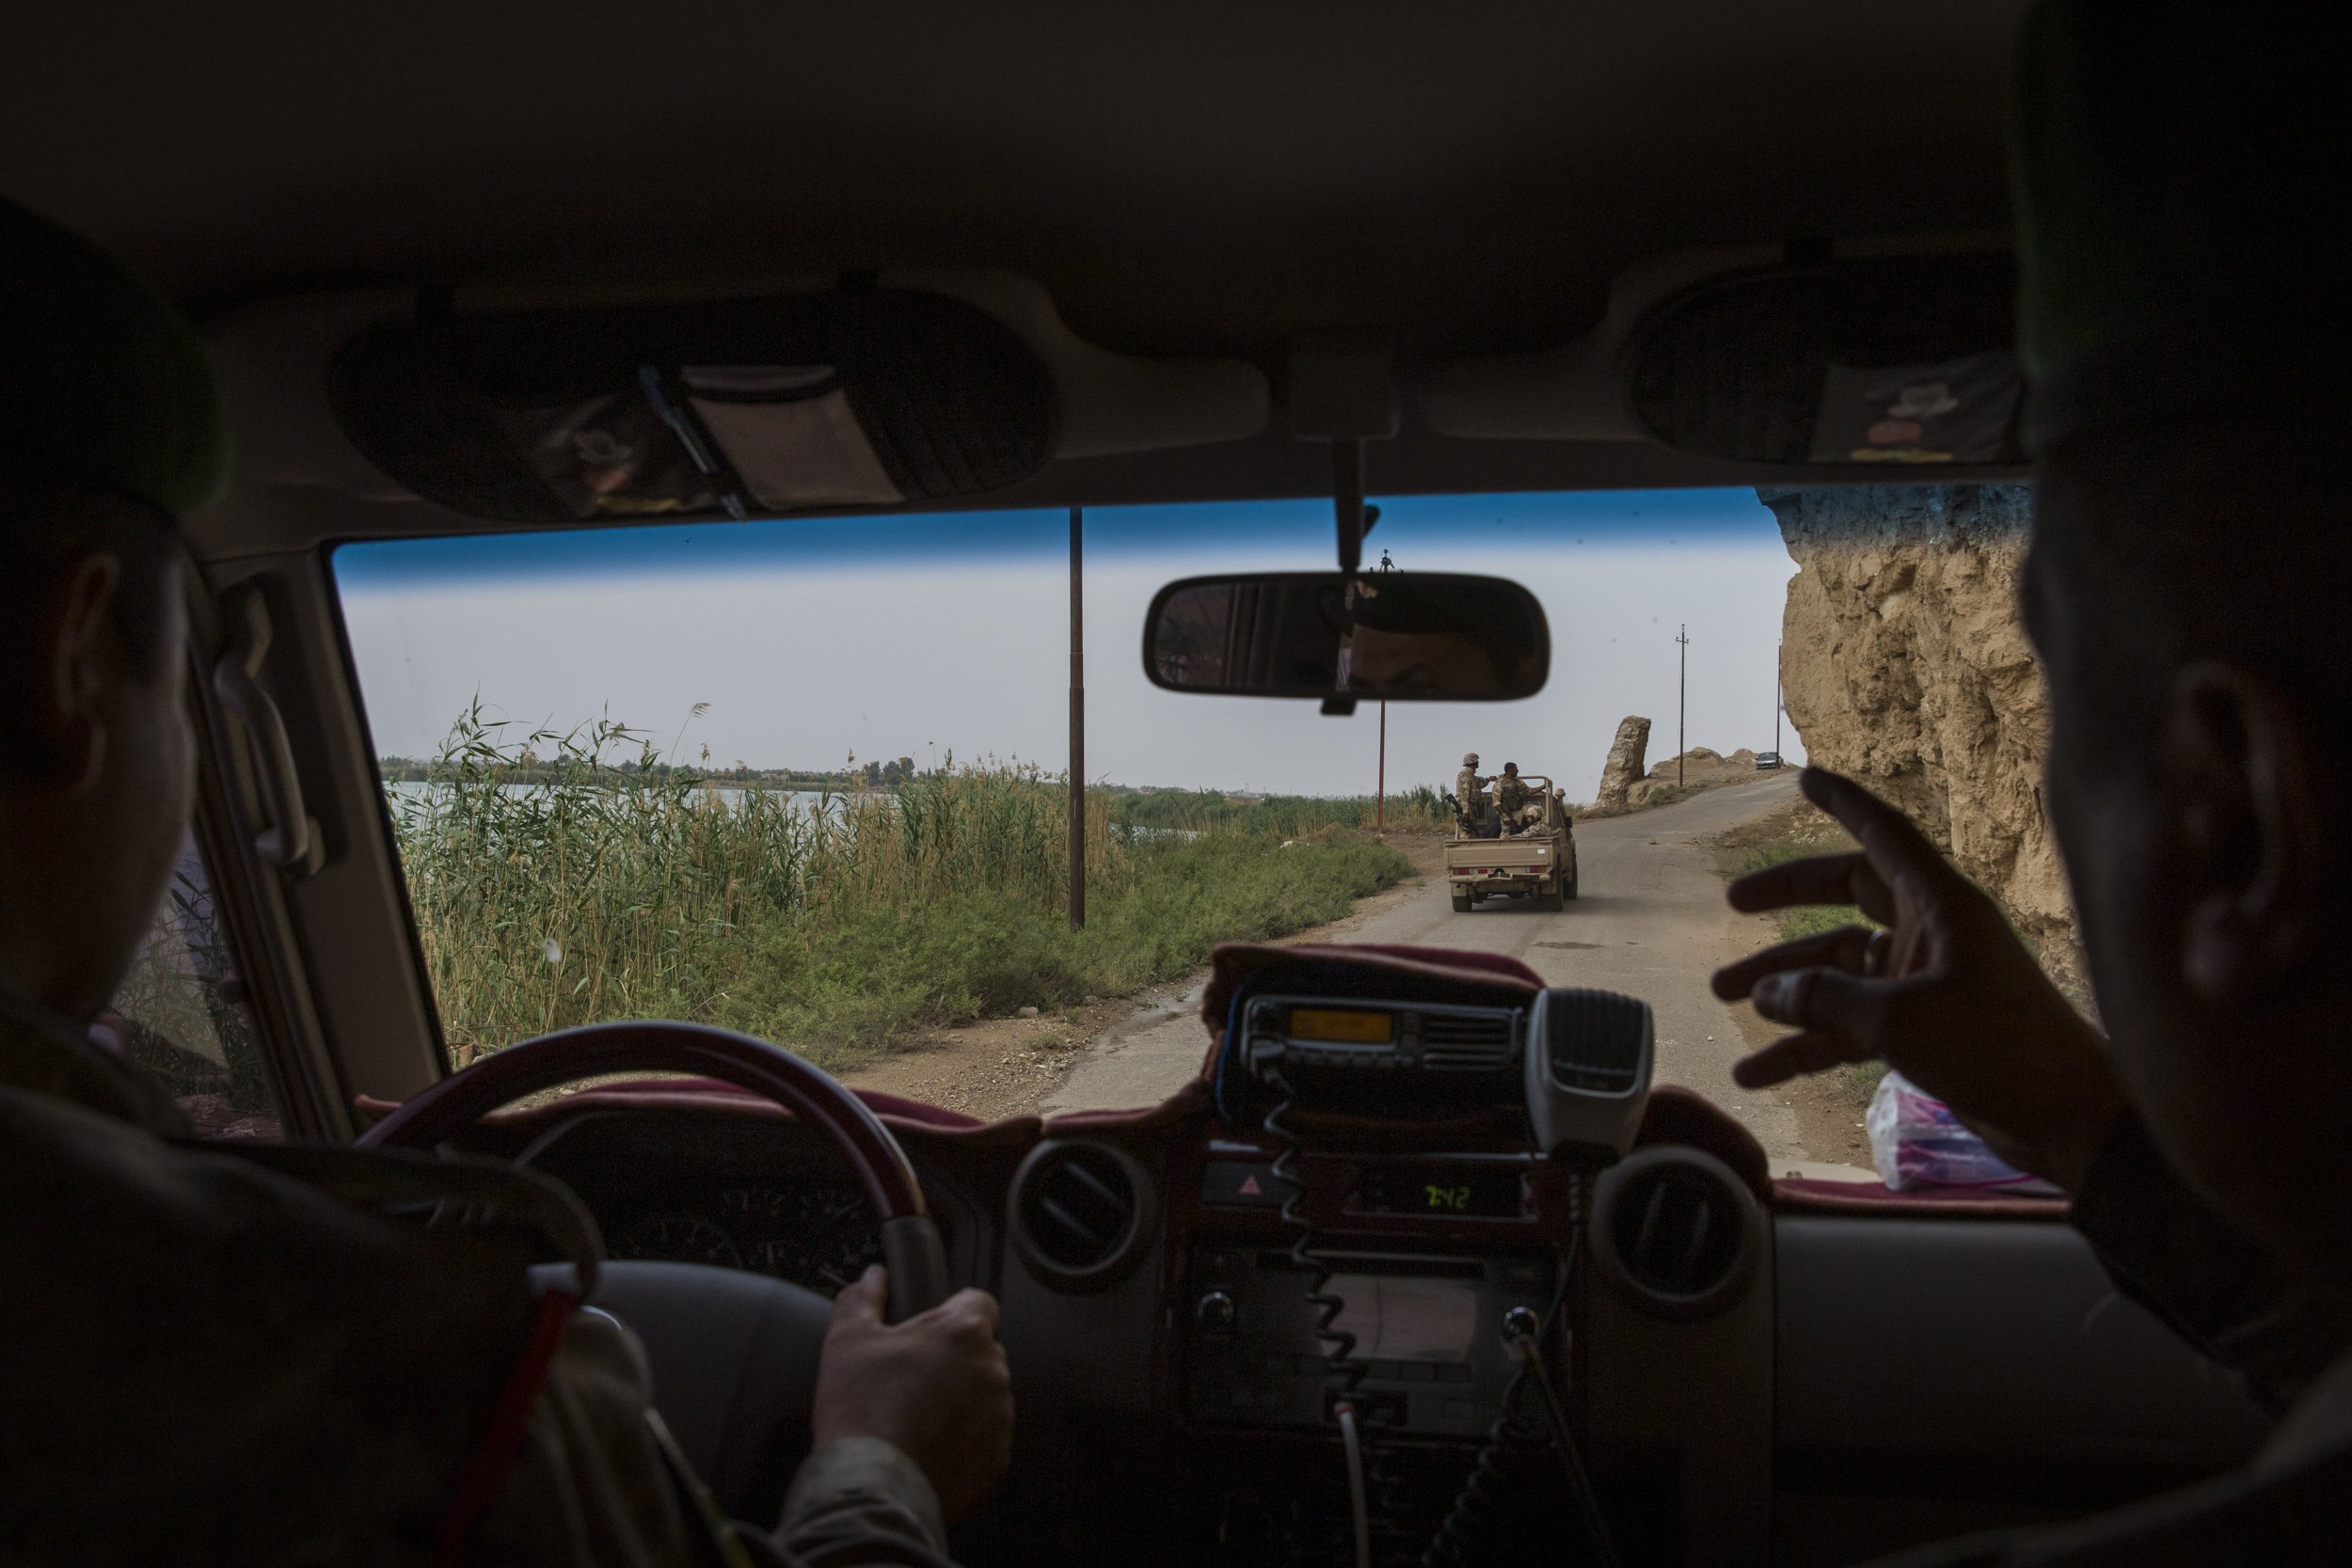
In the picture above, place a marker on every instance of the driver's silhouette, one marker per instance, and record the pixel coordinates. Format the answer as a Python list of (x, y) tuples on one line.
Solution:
[(247, 1356)]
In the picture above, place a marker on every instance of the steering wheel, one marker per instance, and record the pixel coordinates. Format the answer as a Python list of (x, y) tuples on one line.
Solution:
[(910, 1242), (733, 1354)]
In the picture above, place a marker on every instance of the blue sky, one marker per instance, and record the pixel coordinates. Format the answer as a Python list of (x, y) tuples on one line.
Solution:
[(863, 543), (813, 639)]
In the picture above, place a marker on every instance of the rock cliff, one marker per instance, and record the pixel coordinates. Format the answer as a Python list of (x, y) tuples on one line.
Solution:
[(1903, 665)]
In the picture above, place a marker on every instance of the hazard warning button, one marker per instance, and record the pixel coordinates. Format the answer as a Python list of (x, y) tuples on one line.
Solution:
[(1243, 1184)]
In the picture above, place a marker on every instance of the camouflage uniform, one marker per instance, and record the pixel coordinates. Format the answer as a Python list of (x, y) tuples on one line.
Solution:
[(1468, 785), (1520, 803), (1469, 802)]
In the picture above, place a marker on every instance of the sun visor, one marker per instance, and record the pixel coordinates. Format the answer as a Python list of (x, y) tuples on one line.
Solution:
[(1878, 362), (858, 397), (790, 436)]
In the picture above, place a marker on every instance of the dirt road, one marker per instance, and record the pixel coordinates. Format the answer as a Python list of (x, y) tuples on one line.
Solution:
[(1650, 921)]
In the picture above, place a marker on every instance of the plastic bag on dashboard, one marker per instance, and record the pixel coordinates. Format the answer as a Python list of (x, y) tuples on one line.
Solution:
[(1916, 1142)]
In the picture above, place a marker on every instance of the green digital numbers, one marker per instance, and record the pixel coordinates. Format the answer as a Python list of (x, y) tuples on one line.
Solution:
[(1447, 1198)]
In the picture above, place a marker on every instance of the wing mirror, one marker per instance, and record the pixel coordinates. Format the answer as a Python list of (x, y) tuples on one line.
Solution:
[(1385, 636)]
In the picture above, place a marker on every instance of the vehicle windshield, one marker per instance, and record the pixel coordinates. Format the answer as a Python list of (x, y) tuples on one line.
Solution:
[(808, 778)]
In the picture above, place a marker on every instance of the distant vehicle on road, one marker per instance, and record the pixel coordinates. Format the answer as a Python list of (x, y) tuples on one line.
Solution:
[(1766, 759), (1537, 862)]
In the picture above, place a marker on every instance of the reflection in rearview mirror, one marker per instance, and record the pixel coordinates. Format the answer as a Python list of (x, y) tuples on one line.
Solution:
[(1392, 636)]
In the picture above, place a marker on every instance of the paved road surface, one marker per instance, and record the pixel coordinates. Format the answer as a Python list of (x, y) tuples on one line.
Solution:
[(1650, 920)]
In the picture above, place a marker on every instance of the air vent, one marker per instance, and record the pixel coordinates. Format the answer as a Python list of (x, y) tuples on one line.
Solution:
[(1081, 1212), (1467, 1042), (1677, 1231)]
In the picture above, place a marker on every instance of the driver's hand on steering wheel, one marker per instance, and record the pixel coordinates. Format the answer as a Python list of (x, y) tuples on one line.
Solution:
[(935, 1387), (1945, 993)]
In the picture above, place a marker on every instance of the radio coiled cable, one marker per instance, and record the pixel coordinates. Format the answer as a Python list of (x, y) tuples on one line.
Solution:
[(1481, 1490), (1340, 1361)]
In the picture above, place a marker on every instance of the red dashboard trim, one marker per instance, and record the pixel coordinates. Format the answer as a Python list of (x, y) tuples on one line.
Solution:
[(1800, 1195)]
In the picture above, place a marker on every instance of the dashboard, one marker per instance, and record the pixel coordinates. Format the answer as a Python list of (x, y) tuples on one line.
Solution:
[(816, 1233), (736, 1189), (1178, 1390), (1150, 1271)]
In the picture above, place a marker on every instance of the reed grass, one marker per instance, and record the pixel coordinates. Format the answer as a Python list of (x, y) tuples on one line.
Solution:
[(608, 887)]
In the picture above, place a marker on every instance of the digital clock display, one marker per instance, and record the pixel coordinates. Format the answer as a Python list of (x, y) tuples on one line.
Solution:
[(1461, 1192), (1447, 1197)]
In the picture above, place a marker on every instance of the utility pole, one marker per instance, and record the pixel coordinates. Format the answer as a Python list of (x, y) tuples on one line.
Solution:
[(1077, 723), (1776, 700), (1682, 688), (1380, 785)]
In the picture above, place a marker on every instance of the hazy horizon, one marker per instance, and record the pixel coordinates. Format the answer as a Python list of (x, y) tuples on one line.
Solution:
[(813, 640)]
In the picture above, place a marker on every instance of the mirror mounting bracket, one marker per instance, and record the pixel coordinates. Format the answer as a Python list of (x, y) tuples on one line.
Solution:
[(1343, 390), (1353, 517)]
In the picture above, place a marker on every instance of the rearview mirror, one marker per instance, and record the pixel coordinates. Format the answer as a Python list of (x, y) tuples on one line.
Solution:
[(1387, 636)]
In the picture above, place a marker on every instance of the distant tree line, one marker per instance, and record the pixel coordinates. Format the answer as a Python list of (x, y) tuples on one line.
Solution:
[(873, 775), (1130, 805)]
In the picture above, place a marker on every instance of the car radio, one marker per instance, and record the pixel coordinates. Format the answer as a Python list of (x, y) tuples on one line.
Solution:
[(1577, 1060), (1390, 1058), (1424, 1345), (1416, 1342), (1429, 1332)]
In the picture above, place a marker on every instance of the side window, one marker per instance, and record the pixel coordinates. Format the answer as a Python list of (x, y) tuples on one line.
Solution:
[(179, 1019)]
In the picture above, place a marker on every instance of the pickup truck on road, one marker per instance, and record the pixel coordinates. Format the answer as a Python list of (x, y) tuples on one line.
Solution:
[(1535, 861)]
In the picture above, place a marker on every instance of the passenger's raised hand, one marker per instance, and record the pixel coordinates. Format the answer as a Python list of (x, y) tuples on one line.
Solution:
[(1947, 994), (936, 1386)]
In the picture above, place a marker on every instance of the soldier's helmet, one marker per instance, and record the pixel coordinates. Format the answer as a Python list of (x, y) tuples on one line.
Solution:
[(1470, 759), (1510, 768)]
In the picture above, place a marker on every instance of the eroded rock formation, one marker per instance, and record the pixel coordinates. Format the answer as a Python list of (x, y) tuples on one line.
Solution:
[(1700, 768), (1623, 769), (1903, 664)]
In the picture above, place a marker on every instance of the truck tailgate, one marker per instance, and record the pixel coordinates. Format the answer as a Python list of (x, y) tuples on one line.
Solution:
[(1490, 855)]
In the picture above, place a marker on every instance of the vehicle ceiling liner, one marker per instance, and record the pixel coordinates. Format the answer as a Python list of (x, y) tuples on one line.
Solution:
[(860, 396), (1879, 361)]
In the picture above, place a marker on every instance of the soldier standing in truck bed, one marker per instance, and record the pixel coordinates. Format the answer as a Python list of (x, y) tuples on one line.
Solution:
[(1512, 793), (1470, 786)]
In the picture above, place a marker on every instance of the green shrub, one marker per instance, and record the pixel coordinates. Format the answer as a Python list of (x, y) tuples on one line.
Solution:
[(1799, 844), (836, 923), (1418, 808)]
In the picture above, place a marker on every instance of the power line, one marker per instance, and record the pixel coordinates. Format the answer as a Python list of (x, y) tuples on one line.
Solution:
[(1077, 723), (1682, 688)]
